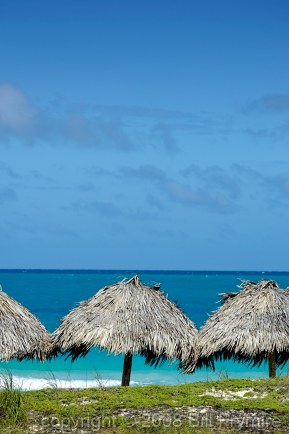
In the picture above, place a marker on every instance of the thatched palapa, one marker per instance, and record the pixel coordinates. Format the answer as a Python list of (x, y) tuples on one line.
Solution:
[(131, 318), (251, 326), (22, 336)]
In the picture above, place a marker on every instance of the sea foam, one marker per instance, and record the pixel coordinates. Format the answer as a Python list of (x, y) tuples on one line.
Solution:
[(30, 383)]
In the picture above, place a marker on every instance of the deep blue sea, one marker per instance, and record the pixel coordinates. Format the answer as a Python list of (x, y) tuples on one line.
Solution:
[(51, 294)]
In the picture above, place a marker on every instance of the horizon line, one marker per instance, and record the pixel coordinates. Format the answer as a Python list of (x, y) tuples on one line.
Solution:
[(139, 270)]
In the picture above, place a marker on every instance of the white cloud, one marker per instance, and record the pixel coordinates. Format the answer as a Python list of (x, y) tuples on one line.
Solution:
[(16, 112), (91, 126)]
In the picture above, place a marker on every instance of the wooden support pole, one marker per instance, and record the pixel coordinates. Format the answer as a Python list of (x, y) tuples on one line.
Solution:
[(272, 365), (127, 364)]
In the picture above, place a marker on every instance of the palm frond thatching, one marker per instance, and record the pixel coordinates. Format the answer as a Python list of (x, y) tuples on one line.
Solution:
[(251, 326), (131, 318), (22, 336), (225, 296)]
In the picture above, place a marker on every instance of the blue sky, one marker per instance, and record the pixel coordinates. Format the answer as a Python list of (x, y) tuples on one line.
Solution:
[(144, 134)]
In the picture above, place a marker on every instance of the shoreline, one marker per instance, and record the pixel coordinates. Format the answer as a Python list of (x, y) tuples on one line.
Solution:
[(35, 380)]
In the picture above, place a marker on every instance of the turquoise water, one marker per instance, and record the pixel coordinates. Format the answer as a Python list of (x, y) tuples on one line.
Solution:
[(51, 294)]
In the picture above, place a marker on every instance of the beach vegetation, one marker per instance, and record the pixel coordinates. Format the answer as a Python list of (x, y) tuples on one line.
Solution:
[(149, 409), (12, 411)]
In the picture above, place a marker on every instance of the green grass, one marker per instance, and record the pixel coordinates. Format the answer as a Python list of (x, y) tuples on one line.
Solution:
[(12, 412), (65, 401), (71, 407)]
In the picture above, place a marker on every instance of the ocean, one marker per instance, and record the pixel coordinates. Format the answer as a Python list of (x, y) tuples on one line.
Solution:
[(50, 294)]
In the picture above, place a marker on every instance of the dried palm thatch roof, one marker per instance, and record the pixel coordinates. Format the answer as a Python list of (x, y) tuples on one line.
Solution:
[(128, 317), (225, 296), (22, 336), (251, 326)]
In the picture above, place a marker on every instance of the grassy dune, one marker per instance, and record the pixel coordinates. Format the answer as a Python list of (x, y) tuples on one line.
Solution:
[(220, 406)]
